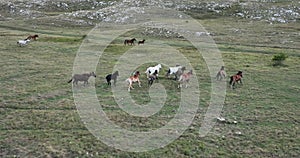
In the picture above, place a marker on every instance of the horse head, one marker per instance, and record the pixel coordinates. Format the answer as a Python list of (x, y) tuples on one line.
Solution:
[(159, 66), (93, 74), (240, 73)]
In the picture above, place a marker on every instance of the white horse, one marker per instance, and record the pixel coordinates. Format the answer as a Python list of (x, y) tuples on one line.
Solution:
[(177, 71), (151, 70), (23, 42)]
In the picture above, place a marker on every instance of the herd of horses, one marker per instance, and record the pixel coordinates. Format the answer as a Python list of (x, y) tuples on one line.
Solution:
[(151, 72), (152, 75)]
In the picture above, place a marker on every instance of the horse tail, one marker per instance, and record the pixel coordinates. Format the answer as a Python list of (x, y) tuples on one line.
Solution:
[(70, 80)]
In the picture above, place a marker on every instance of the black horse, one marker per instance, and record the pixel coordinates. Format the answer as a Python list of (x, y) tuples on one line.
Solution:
[(141, 42), (113, 76), (129, 41)]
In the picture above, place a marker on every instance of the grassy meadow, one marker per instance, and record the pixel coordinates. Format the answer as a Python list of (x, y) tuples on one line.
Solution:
[(39, 118)]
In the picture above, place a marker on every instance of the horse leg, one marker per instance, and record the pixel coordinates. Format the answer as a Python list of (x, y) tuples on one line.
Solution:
[(150, 82), (115, 81), (179, 85), (85, 83), (217, 76), (233, 84), (130, 86)]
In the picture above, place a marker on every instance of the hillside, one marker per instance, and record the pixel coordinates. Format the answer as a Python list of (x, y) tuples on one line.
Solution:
[(39, 113)]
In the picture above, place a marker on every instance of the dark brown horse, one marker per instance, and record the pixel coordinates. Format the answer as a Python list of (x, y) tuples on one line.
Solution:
[(34, 37), (235, 79), (129, 41)]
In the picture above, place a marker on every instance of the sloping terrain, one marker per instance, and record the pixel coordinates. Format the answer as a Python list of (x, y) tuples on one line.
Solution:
[(38, 117)]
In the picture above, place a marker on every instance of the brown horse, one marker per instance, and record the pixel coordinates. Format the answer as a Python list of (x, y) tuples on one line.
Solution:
[(185, 77), (129, 41), (34, 37), (235, 79)]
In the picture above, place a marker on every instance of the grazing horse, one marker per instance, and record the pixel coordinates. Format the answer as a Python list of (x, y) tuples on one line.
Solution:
[(235, 79), (82, 77), (152, 78), (23, 42), (129, 41), (32, 37), (132, 79), (221, 74), (151, 70), (141, 42), (113, 76), (185, 77), (177, 71)]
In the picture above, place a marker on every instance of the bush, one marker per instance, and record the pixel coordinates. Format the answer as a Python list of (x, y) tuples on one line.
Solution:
[(278, 59)]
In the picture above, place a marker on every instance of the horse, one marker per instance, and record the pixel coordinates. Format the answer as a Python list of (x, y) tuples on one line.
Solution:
[(23, 42), (185, 77), (32, 37), (221, 74), (129, 41), (177, 71), (113, 76), (151, 70), (82, 77), (235, 79), (132, 79), (152, 77), (141, 42)]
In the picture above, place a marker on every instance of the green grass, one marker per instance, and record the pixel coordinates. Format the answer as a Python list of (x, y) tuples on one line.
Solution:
[(39, 118)]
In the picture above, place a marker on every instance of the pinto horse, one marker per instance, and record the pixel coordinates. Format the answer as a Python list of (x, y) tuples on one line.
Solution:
[(34, 37), (129, 41), (235, 79), (132, 79), (151, 70)]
